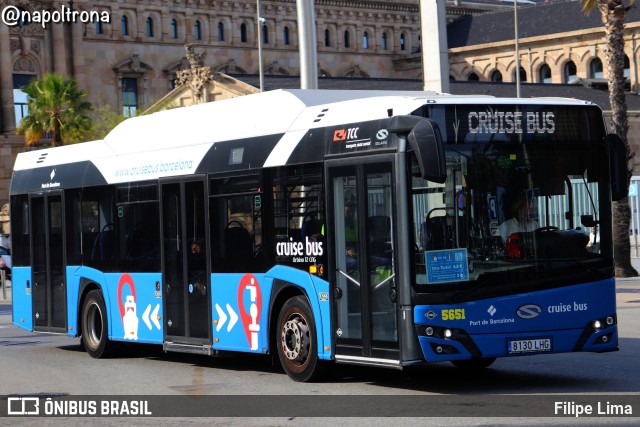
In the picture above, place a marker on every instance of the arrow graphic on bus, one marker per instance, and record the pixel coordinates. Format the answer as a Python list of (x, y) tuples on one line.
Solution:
[(154, 316), (223, 318)]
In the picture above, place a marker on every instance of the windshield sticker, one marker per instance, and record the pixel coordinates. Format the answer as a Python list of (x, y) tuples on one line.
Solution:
[(446, 266)]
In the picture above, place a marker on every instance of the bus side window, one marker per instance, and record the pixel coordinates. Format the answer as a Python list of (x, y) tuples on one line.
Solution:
[(236, 226)]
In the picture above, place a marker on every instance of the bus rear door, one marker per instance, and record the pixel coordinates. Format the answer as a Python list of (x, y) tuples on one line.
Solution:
[(186, 287), (48, 288), (363, 268)]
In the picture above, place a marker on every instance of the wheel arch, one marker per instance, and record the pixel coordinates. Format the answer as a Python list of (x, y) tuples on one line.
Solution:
[(289, 282), (281, 293), (86, 286)]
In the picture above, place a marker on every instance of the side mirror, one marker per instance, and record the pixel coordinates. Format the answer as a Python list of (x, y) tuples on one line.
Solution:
[(618, 166), (425, 140)]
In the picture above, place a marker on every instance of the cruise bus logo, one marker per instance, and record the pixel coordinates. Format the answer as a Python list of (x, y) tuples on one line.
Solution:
[(528, 311)]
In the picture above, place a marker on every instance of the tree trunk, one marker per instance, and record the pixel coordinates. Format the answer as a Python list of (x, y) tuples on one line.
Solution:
[(613, 20)]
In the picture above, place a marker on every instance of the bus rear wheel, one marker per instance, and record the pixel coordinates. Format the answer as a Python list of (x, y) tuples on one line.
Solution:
[(94, 325), (474, 363), (296, 340)]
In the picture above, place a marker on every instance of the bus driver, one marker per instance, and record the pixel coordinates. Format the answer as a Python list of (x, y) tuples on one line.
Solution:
[(521, 221)]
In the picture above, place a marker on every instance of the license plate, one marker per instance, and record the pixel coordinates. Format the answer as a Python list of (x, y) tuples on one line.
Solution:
[(529, 346)]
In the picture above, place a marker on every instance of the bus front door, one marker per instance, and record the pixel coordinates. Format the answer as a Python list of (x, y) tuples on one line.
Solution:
[(48, 288), (186, 290), (363, 264)]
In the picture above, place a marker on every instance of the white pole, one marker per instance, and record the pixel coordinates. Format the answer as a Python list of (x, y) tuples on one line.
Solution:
[(435, 55), (259, 29), (308, 48)]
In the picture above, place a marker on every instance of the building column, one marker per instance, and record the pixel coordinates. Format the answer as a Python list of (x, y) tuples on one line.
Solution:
[(78, 56), (59, 50), (7, 115)]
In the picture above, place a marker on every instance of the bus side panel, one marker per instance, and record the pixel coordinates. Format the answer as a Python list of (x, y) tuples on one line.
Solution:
[(317, 291), (21, 297), (135, 307), (564, 316), (239, 311)]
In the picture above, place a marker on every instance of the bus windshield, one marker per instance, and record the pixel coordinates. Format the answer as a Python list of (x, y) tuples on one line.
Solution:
[(516, 209)]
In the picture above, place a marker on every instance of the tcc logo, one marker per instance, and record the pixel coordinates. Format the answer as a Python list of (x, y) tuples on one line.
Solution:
[(343, 134)]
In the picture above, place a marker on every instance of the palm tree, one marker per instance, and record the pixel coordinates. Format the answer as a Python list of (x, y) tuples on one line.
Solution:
[(57, 109), (613, 13)]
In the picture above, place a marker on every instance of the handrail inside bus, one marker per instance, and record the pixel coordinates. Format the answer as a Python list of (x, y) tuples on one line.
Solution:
[(348, 277)]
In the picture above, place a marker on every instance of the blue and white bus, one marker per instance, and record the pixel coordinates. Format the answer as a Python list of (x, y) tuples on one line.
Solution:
[(353, 227)]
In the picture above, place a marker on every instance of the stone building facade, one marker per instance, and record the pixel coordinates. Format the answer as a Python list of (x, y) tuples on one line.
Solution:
[(557, 42), (133, 60)]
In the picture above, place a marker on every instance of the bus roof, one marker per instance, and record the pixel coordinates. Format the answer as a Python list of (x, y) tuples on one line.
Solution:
[(177, 141)]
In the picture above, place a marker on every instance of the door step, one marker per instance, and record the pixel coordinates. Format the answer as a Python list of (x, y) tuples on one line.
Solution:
[(368, 361), (205, 350)]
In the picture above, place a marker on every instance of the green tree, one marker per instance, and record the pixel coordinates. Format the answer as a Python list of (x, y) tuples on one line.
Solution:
[(104, 120), (613, 13), (57, 109)]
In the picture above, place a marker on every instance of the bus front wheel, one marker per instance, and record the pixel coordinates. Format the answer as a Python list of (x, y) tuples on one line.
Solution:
[(296, 340), (94, 325)]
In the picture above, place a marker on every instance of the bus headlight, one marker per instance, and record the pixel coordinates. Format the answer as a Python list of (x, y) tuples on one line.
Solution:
[(597, 325)]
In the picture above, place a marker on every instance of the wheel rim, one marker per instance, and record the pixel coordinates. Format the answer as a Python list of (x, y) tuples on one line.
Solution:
[(295, 340), (93, 326)]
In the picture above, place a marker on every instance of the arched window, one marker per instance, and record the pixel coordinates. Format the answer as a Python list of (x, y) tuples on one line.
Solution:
[(197, 30), (243, 33), (220, 32), (265, 34), (174, 29), (347, 42), (496, 76), (473, 77), (287, 39), (595, 69), (365, 40), (149, 27), (124, 25), (523, 75), (403, 42), (544, 74), (385, 42), (99, 28), (570, 72), (327, 38)]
